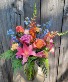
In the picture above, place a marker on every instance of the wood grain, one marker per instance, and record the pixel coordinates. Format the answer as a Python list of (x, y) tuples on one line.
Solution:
[(13, 12)]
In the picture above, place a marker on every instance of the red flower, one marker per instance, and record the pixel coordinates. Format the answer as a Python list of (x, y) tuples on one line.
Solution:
[(19, 29)]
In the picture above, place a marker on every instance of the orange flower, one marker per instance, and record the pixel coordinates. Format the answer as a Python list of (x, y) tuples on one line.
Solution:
[(47, 37), (19, 29), (39, 43), (32, 32), (50, 36)]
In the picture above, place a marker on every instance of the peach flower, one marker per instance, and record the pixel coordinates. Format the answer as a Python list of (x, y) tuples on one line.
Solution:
[(39, 43)]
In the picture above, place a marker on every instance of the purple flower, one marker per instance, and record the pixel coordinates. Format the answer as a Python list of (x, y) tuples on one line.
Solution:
[(14, 39), (26, 38)]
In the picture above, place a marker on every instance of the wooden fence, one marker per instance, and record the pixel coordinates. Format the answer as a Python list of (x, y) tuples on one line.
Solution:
[(13, 12)]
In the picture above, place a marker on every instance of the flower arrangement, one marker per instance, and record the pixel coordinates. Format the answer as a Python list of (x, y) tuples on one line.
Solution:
[(31, 45)]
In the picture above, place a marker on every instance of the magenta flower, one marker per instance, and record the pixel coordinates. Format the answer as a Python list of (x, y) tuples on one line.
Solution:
[(25, 38), (25, 52)]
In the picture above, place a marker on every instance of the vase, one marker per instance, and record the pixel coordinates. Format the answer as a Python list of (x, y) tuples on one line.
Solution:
[(30, 71)]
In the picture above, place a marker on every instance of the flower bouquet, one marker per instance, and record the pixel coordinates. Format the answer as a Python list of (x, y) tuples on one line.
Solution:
[(30, 46)]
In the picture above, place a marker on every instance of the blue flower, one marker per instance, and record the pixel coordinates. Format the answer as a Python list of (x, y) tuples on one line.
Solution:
[(10, 32), (46, 31), (14, 39), (27, 18), (44, 25), (27, 21), (48, 24)]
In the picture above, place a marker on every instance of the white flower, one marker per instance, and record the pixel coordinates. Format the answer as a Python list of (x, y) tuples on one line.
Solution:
[(26, 31)]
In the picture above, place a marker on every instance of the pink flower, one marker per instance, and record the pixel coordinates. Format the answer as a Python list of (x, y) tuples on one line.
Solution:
[(50, 45), (42, 54), (25, 38), (25, 52), (52, 50)]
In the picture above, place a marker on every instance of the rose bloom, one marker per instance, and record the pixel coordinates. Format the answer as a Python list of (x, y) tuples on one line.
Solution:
[(39, 43), (26, 38), (19, 29)]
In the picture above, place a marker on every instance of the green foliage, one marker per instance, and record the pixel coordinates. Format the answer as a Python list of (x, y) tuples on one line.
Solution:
[(30, 68), (44, 64), (61, 34), (31, 58), (35, 10), (16, 64), (7, 55)]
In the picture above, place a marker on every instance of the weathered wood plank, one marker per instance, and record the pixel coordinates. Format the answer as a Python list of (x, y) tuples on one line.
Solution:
[(53, 9), (63, 58), (29, 8), (13, 12)]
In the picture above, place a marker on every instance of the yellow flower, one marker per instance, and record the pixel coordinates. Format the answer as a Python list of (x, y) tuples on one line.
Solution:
[(38, 29), (14, 46)]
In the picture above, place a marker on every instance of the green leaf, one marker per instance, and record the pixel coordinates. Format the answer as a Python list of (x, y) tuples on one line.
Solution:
[(32, 58), (29, 69), (17, 64), (44, 64), (63, 33), (47, 64), (35, 10), (7, 55)]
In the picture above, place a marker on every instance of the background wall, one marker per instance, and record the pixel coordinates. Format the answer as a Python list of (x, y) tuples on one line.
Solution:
[(13, 12)]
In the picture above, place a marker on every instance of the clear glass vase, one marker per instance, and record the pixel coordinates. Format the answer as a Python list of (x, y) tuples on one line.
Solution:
[(30, 70)]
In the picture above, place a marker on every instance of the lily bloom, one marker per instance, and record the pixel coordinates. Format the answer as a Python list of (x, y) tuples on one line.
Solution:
[(42, 54), (25, 52)]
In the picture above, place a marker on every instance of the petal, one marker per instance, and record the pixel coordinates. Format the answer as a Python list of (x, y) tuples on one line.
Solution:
[(24, 59), (25, 48), (52, 51), (33, 53), (39, 54), (30, 48)]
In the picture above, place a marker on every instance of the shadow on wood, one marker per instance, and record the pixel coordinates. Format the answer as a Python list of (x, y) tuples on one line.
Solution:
[(64, 77)]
